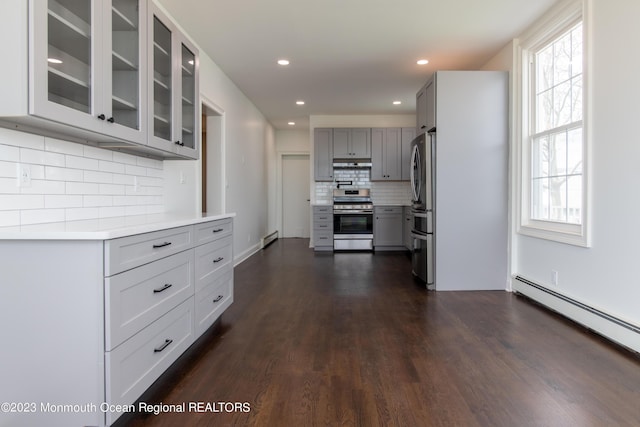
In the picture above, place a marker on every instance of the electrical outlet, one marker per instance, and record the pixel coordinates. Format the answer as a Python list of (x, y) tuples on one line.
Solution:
[(23, 175), (554, 277)]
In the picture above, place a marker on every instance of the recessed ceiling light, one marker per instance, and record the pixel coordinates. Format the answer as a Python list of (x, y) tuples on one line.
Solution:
[(291, 123), (423, 62), (300, 102), (283, 62), (54, 61), (397, 102)]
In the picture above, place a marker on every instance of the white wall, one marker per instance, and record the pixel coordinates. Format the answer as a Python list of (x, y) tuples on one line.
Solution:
[(604, 275), (248, 139)]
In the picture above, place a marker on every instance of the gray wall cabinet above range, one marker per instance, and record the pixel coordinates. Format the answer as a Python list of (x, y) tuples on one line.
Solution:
[(388, 149), (352, 143)]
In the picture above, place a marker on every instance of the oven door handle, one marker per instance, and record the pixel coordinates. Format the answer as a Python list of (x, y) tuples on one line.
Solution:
[(352, 212)]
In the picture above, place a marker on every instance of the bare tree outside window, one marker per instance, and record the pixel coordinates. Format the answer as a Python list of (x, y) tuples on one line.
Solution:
[(556, 143)]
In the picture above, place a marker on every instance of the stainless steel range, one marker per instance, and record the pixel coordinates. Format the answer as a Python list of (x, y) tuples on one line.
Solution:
[(352, 220)]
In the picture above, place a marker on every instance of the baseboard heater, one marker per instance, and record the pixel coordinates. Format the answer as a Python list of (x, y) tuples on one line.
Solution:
[(610, 327), (269, 239)]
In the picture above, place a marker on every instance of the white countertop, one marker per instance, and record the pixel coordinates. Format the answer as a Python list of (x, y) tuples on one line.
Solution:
[(106, 228)]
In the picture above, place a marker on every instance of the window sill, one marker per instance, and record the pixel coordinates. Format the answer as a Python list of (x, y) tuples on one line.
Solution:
[(562, 233)]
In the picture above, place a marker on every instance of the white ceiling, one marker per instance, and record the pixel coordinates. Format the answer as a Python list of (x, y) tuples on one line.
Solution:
[(347, 56)]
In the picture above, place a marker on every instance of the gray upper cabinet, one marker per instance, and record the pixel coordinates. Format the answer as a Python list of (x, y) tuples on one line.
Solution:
[(407, 136), (173, 88), (426, 108), (386, 154), (352, 143), (88, 65), (323, 154), (79, 70)]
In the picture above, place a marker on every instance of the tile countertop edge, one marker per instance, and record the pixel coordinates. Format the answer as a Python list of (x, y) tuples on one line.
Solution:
[(105, 228)]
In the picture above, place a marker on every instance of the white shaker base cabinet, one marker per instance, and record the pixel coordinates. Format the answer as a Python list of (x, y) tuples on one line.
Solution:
[(86, 332)]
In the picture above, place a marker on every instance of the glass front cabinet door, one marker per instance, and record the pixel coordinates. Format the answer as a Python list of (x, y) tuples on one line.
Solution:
[(88, 62), (173, 88)]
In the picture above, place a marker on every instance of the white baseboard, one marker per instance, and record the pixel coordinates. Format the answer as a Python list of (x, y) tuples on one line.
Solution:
[(239, 258), (610, 327)]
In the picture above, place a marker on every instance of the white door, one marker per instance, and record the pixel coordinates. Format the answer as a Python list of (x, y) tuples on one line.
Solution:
[(295, 196)]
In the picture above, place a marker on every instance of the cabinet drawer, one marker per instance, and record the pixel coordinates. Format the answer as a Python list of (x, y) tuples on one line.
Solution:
[(138, 362), (323, 222), (129, 252), (211, 258), (210, 231), (214, 298), (388, 209), (323, 209), (323, 218), (322, 238), (137, 297)]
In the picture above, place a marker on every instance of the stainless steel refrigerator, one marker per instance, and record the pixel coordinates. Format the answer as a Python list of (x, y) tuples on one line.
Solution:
[(459, 182)]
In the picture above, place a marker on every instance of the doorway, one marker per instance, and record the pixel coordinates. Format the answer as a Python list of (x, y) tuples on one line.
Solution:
[(295, 196), (212, 155)]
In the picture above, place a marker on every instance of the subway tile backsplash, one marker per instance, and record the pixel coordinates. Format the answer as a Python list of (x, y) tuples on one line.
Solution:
[(71, 181), (382, 193)]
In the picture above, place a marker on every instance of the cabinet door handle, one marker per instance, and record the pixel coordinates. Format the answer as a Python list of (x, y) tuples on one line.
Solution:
[(162, 289), (179, 143), (163, 346), (111, 120), (217, 230), (218, 298), (161, 245), (218, 259), (102, 117)]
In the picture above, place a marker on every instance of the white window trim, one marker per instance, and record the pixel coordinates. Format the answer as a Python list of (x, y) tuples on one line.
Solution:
[(553, 24)]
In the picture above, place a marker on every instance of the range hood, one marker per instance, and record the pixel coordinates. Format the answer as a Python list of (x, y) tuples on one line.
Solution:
[(350, 164)]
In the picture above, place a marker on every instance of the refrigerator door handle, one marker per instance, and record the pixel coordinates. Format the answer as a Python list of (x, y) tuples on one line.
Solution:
[(415, 157), (419, 236)]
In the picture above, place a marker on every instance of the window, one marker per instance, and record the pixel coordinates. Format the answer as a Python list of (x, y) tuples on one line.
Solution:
[(552, 122)]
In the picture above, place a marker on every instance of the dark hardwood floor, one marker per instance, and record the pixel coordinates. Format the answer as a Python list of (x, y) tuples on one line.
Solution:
[(350, 340)]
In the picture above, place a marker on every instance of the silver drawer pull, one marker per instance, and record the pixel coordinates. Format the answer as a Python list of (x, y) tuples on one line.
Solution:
[(163, 346), (218, 259), (162, 289), (161, 245), (217, 230), (219, 298)]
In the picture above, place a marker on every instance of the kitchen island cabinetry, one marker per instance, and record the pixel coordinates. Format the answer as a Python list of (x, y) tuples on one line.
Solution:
[(388, 228), (100, 314)]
